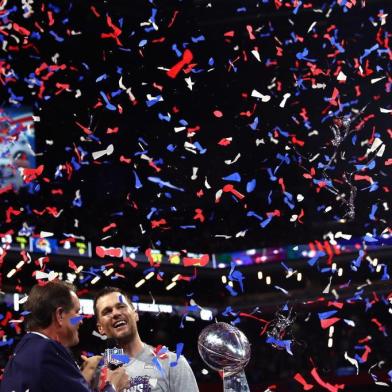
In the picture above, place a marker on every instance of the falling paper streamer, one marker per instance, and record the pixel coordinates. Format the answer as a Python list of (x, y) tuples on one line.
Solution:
[(264, 98), (352, 361), (99, 154)]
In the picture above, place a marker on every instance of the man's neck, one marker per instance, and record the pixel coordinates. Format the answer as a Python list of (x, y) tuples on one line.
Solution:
[(132, 348), (49, 332)]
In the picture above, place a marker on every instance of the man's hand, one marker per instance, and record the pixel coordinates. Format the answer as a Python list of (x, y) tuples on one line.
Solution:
[(118, 378), (89, 366)]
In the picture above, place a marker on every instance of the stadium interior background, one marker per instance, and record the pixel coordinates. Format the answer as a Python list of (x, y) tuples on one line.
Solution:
[(262, 261)]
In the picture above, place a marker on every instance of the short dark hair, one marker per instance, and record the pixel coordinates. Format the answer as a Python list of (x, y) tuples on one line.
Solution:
[(108, 290), (43, 301)]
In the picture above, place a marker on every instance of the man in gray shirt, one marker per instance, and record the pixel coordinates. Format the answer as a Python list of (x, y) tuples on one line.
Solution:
[(149, 369)]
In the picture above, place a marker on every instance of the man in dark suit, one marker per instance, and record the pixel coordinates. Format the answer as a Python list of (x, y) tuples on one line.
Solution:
[(41, 361)]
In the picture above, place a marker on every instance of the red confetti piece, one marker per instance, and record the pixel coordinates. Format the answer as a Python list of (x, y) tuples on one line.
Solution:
[(326, 385), (366, 353), (112, 130), (338, 305), (7, 317), (196, 261), (199, 215), (109, 227), (101, 251), (125, 160), (11, 212), (6, 189), (249, 28), (131, 262), (186, 59), (115, 33), (225, 141), (230, 188), (157, 223), (267, 323), (298, 377), (326, 323), (29, 175), (72, 265), (173, 19), (301, 215)]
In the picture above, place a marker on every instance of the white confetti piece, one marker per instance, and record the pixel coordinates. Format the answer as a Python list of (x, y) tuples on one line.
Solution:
[(264, 98)]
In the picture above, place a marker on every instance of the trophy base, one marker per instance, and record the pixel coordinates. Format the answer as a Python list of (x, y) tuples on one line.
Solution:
[(235, 382)]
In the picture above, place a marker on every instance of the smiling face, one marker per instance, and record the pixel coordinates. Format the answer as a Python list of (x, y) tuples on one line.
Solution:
[(116, 317)]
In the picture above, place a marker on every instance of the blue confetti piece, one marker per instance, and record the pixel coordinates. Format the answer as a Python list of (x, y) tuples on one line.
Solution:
[(76, 320), (254, 124), (367, 52), (269, 198), (314, 259), (77, 202), (179, 348), (102, 77), (153, 101), (56, 37), (357, 262), (327, 315), (228, 312), (138, 184), (200, 38), (162, 183), (302, 55), (272, 177), (369, 238), (157, 364), (8, 342), (252, 213), (176, 50), (163, 117), (122, 358), (151, 213), (236, 321), (286, 344), (295, 11), (385, 275), (266, 222), (231, 290), (200, 148), (251, 185), (109, 106), (233, 177), (237, 276), (75, 164), (373, 212)]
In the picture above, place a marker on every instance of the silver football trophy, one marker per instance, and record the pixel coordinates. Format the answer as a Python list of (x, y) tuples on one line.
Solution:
[(226, 349)]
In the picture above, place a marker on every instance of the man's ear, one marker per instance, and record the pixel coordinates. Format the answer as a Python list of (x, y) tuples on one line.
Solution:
[(100, 329), (136, 316), (59, 315)]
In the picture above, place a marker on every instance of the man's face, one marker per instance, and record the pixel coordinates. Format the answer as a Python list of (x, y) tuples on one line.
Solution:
[(70, 323), (116, 317)]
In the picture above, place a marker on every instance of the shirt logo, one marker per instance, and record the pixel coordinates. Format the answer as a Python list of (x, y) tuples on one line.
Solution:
[(139, 384)]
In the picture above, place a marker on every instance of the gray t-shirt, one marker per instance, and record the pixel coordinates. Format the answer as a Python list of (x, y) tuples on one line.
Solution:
[(150, 373)]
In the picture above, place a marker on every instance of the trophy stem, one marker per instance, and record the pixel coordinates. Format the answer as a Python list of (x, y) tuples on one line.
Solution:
[(235, 382)]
